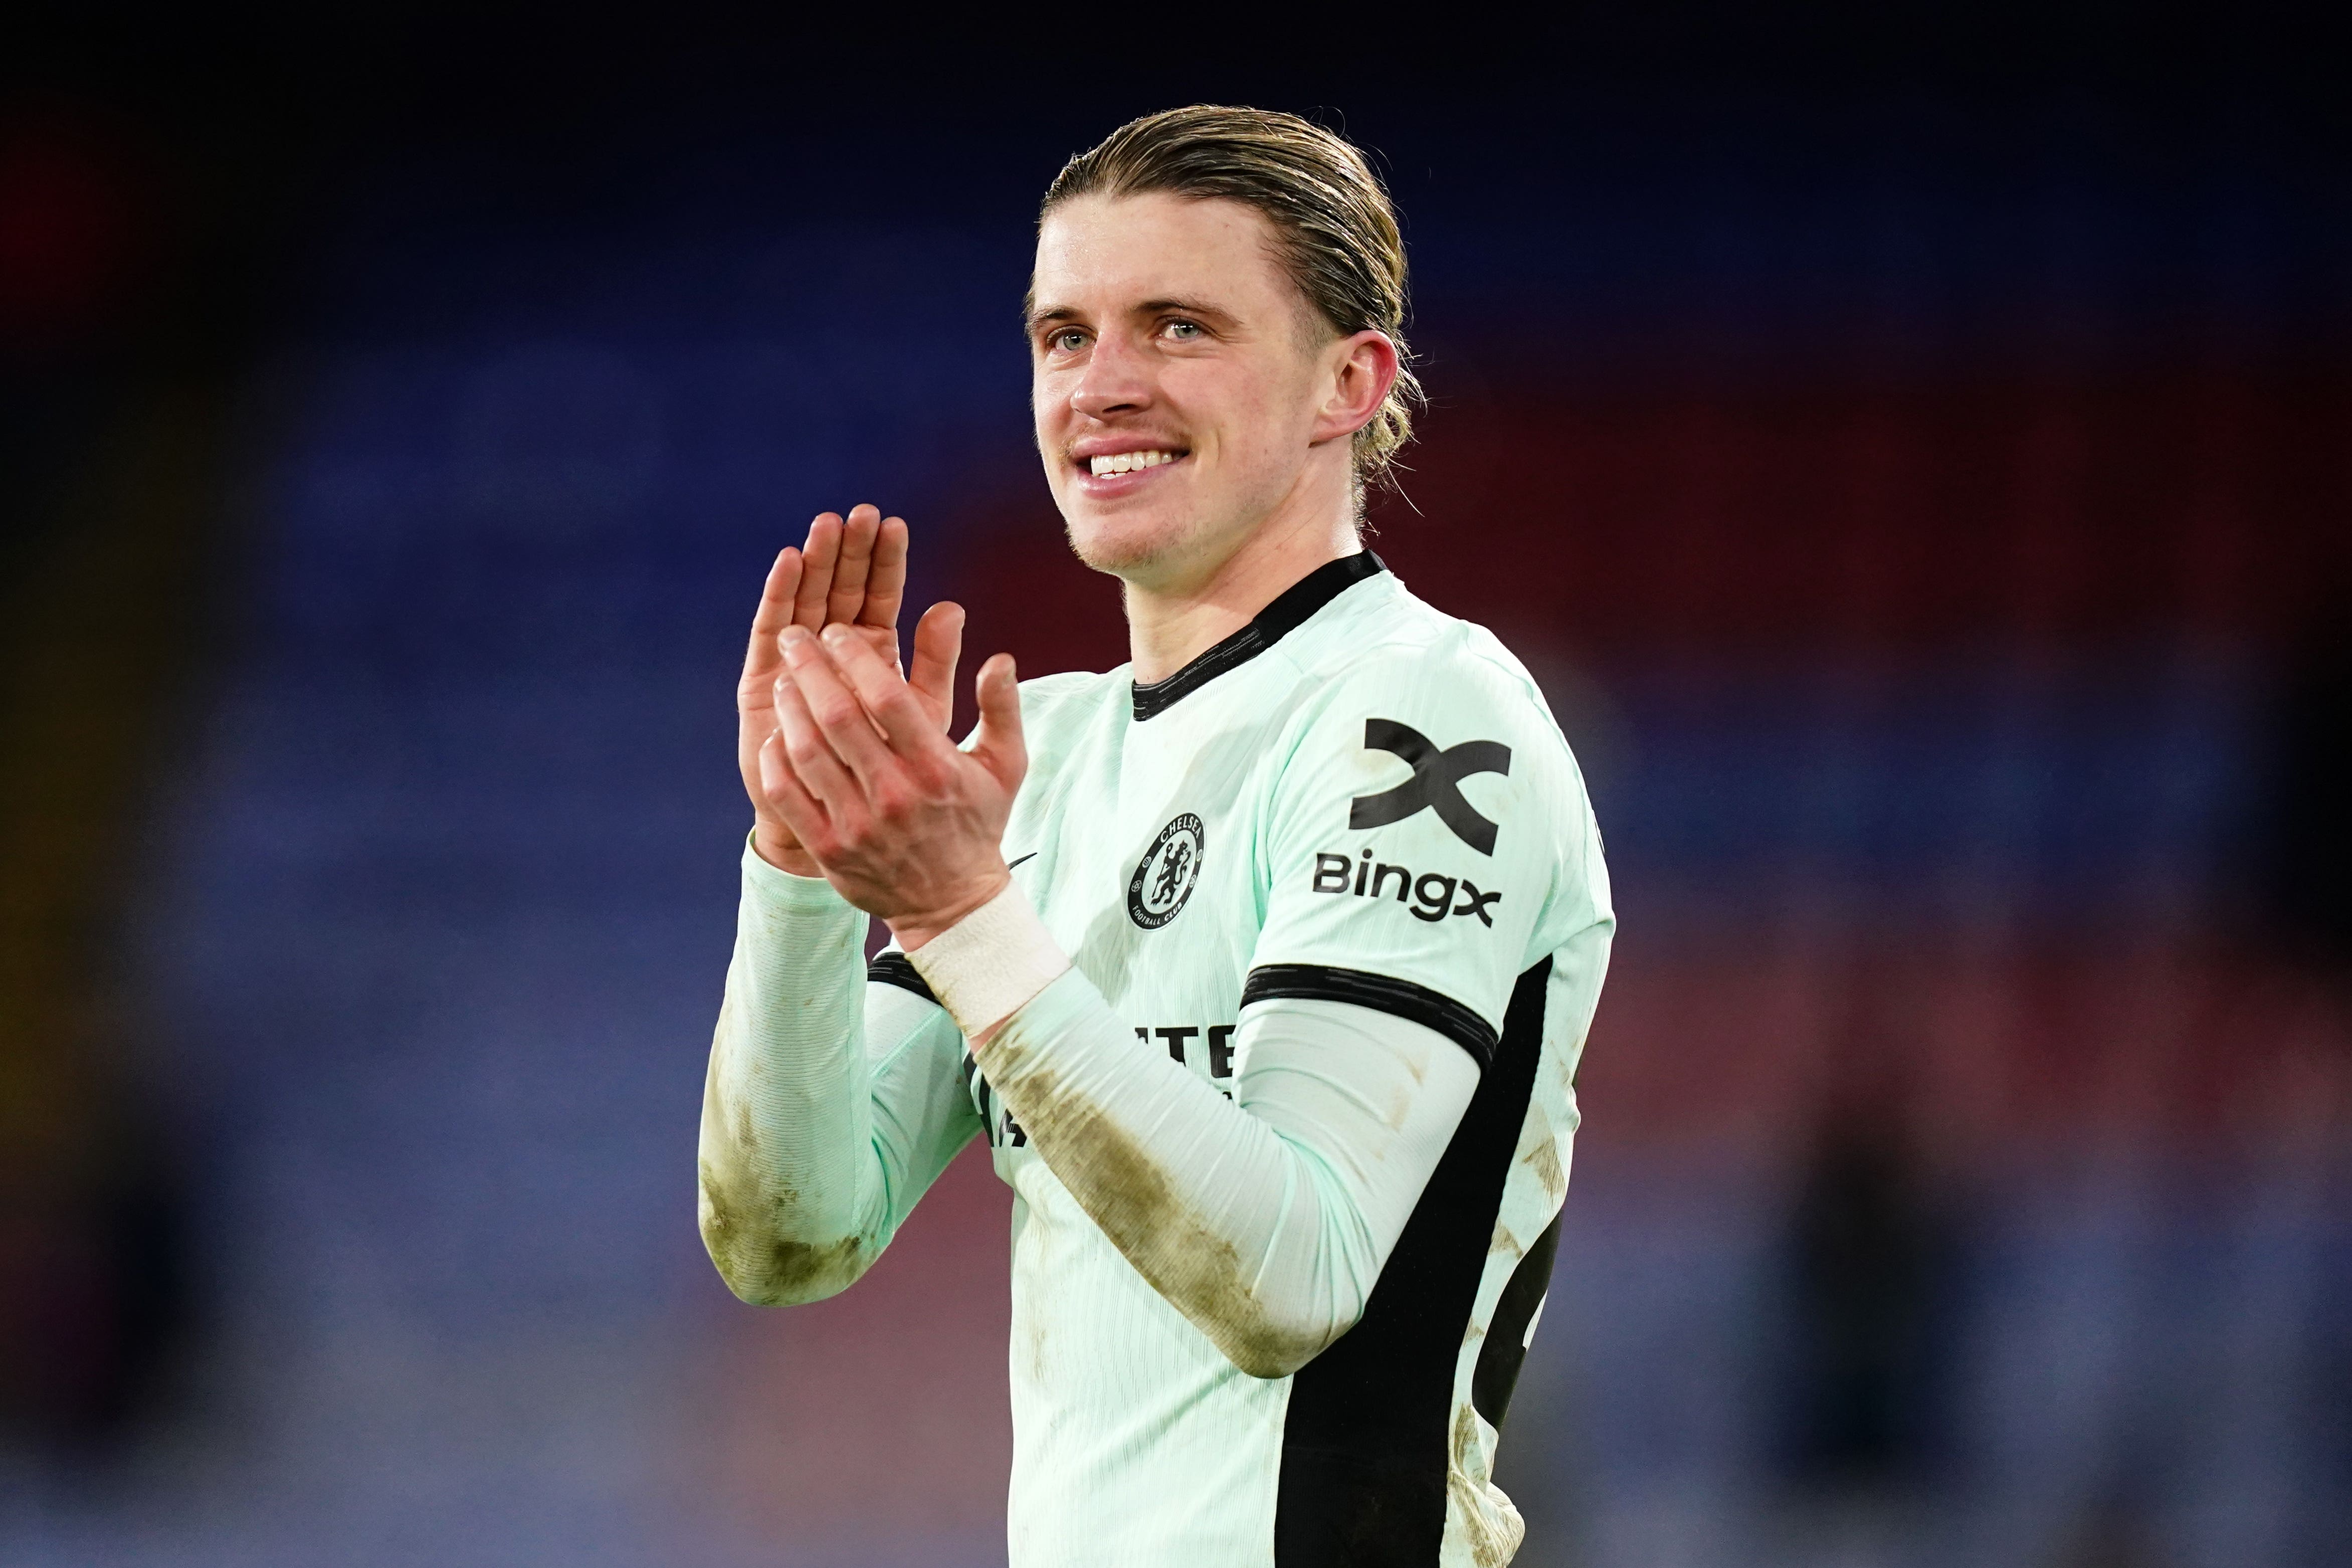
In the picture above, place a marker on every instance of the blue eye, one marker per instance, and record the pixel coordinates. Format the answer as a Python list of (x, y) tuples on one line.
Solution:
[(1070, 340), (1184, 329)]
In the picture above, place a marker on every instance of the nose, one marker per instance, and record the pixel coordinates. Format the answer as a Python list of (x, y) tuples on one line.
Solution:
[(1116, 380)]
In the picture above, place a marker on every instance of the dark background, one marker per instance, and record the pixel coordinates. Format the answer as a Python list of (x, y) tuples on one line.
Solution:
[(1912, 446)]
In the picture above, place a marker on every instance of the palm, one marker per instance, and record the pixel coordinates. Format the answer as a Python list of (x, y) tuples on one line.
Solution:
[(852, 572)]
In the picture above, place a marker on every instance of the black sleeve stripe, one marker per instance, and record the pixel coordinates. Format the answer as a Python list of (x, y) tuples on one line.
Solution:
[(897, 969), (1381, 993)]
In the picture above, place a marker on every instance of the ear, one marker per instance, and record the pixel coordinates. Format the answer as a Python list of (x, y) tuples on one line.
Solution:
[(1362, 368)]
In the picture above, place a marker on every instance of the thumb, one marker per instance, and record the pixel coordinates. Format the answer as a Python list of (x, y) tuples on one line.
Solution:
[(997, 743)]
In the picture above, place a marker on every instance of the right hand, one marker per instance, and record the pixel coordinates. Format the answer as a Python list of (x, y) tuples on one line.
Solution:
[(851, 572)]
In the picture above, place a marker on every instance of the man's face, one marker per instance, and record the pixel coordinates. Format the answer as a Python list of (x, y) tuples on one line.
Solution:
[(1178, 379)]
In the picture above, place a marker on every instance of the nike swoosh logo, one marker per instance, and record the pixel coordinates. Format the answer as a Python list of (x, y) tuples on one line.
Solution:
[(1030, 856)]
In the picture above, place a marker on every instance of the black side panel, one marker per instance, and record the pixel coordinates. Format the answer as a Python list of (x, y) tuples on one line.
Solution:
[(1364, 1446), (1497, 1372)]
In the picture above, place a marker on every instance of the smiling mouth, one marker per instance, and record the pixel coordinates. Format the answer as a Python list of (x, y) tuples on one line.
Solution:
[(1129, 462)]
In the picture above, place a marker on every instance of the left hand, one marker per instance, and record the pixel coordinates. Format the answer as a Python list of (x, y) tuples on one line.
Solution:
[(852, 571), (905, 826)]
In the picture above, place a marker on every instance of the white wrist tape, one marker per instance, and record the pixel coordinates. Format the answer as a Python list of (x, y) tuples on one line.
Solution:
[(987, 966)]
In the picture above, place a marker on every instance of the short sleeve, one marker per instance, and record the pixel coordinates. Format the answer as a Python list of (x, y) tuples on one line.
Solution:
[(1424, 815)]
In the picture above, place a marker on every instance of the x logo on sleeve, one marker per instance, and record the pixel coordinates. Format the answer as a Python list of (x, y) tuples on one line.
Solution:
[(1435, 785)]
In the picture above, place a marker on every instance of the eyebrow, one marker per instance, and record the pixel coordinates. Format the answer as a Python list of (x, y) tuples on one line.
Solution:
[(1036, 317), (1182, 307)]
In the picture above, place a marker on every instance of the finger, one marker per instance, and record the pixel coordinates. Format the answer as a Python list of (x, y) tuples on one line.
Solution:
[(846, 601), (818, 557), (788, 798), (775, 610), (848, 729), (997, 743), (885, 581), (906, 724), (939, 643), (810, 750)]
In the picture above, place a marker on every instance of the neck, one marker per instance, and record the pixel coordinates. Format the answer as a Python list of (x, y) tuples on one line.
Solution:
[(1171, 623)]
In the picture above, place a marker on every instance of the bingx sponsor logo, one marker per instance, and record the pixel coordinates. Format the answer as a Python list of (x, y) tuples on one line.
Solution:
[(1435, 785)]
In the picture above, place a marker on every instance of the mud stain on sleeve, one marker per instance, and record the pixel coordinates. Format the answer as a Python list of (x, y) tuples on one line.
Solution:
[(1491, 1528), (1127, 1194), (758, 1257), (1037, 1337), (1544, 1161)]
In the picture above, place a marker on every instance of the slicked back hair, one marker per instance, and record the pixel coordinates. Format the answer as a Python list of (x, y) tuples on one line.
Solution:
[(1335, 231)]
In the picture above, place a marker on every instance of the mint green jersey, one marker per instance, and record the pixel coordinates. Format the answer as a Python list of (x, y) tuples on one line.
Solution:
[(1354, 799)]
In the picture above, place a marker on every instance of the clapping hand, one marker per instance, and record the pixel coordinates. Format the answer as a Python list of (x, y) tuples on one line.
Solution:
[(846, 760), (852, 574)]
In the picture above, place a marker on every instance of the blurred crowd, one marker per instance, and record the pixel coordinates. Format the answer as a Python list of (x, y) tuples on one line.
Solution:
[(1925, 509)]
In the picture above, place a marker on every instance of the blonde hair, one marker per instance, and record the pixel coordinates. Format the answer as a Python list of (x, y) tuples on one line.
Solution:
[(1335, 231)]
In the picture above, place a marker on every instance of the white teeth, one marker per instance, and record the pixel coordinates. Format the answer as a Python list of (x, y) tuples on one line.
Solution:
[(1127, 462)]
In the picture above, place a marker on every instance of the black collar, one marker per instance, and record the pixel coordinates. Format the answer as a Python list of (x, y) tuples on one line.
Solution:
[(1278, 620)]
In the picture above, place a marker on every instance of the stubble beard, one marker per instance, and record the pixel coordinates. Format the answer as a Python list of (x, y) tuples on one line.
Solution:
[(1159, 551), (1132, 551)]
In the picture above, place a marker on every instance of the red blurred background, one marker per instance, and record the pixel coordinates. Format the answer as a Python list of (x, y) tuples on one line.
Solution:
[(1910, 452)]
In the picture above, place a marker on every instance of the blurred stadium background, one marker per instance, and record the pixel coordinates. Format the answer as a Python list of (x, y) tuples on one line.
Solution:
[(1915, 455)]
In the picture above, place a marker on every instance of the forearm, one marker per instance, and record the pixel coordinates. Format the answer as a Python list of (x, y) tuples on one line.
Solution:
[(1265, 1219), (789, 1183)]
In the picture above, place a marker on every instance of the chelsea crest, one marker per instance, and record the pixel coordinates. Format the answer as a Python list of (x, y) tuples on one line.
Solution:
[(1164, 877)]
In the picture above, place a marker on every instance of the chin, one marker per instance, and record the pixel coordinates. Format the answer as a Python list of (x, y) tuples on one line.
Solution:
[(1123, 545)]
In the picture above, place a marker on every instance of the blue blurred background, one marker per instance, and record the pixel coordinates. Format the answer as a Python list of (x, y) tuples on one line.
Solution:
[(1914, 452)]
